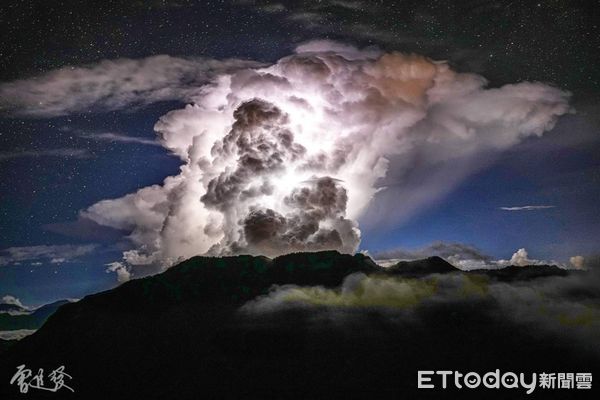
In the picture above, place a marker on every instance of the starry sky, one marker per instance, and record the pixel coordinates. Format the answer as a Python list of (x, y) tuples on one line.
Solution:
[(51, 167)]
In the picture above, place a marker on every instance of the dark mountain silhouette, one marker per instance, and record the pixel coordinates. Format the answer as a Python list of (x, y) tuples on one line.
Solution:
[(179, 334), (431, 265), (516, 273)]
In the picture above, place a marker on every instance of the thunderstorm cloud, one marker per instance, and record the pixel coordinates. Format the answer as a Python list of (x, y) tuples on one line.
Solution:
[(290, 156)]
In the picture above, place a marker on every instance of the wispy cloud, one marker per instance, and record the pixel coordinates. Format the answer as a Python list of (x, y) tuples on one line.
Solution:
[(308, 18), (64, 153), (16, 334), (272, 8), (526, 208), (349, 4), (315, 16), (109, 136), (50, 254), (118, 137), (113, 85)]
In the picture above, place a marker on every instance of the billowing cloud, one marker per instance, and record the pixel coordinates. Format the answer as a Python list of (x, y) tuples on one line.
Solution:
[(123, 273), (565, 306), (288, 157), (520, 258), (52, 254), (9, 299), (551, 307), (578, 262), (112, 84), (525, 208), (357, 290)]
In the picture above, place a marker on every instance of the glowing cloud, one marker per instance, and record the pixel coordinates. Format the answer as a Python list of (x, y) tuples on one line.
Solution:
[(288, 157)]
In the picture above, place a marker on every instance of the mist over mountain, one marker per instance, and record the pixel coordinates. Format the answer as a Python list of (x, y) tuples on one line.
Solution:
[(6, 308), (312, 325), (17, 317)]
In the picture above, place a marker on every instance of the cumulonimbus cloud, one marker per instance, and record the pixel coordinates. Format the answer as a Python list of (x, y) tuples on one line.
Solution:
[(289, 156)]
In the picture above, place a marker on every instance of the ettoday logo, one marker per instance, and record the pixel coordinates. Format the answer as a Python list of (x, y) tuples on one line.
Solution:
[(508, 380)]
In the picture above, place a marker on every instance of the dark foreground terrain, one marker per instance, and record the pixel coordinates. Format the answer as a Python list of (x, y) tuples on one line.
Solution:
[(197, 331)]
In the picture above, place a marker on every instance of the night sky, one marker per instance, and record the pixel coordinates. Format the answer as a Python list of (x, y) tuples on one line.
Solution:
[(54, 166)]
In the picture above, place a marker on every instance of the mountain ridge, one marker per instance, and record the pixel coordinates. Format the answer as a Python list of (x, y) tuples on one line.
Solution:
[(183, 324)]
